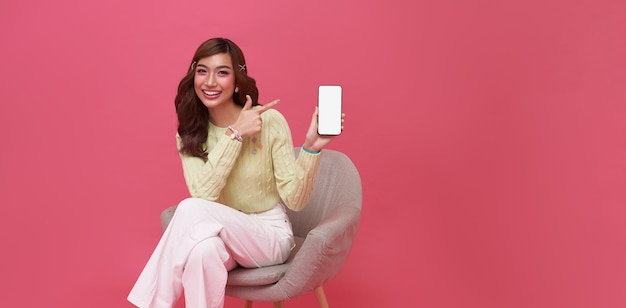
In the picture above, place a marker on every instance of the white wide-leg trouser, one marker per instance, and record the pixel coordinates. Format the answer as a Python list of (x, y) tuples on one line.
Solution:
[(203, 241)]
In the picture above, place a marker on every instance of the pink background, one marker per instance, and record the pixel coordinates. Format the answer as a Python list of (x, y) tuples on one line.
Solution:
[(490, 137)]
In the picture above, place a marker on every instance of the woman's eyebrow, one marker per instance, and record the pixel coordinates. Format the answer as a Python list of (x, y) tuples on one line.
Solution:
[(219, 67)]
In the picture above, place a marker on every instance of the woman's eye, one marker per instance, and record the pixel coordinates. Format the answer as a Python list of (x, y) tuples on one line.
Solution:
[(223, 73), (201, 71)]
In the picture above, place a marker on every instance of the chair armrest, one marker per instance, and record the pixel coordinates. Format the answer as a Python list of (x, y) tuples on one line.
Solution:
[(323, 252)]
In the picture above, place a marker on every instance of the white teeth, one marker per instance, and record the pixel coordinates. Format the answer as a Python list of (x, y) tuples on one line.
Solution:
[(211, 92)]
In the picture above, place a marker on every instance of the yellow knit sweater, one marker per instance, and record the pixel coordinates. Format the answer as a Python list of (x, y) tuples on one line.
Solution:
[(252, 175)]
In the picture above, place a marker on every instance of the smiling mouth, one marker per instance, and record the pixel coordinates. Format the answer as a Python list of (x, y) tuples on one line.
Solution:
[(211, 93)]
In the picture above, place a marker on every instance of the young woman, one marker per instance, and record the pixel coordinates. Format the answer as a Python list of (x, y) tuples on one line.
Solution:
[(240, 169)]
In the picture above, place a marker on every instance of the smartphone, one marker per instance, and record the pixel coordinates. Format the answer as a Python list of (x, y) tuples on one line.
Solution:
[(329, 110)]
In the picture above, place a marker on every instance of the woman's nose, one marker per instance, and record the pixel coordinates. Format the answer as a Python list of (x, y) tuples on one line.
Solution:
[(210, 80)]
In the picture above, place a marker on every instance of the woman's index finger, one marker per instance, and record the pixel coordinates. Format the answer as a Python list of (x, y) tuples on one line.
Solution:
[(268, 106)]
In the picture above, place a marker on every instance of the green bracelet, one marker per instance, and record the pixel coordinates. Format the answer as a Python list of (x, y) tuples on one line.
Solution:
[(309, 151)]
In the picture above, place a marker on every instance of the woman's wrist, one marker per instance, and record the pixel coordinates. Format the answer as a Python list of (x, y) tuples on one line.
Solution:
[(233, 133), (311, 150)]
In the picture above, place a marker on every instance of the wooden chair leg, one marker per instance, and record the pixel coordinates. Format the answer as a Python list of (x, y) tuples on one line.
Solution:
[(319, 294), (321, 297)]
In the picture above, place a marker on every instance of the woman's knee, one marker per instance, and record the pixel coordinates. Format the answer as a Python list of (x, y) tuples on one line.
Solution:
[(190, 206)]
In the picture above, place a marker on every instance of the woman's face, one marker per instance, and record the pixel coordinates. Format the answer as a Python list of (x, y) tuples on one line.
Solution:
[(214, 80)]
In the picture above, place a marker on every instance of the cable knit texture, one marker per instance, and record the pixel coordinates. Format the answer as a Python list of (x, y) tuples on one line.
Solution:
[(255, 174)]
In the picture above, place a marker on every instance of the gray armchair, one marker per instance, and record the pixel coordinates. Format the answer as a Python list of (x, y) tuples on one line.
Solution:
[(324, 231)]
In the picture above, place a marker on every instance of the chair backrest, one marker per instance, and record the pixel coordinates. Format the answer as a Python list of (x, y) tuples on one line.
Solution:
[(338, 184)]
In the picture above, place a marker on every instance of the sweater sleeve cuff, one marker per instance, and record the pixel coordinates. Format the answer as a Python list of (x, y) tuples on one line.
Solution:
[(309, 161), (227, 146)]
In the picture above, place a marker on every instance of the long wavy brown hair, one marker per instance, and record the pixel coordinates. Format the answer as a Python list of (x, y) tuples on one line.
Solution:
[(193, 116)]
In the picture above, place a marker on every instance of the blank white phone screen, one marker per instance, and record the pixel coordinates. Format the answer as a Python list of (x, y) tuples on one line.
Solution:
[(329, 106)]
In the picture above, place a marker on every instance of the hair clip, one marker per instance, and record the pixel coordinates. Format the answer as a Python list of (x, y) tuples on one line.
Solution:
[(242, 67), (193, 65)]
